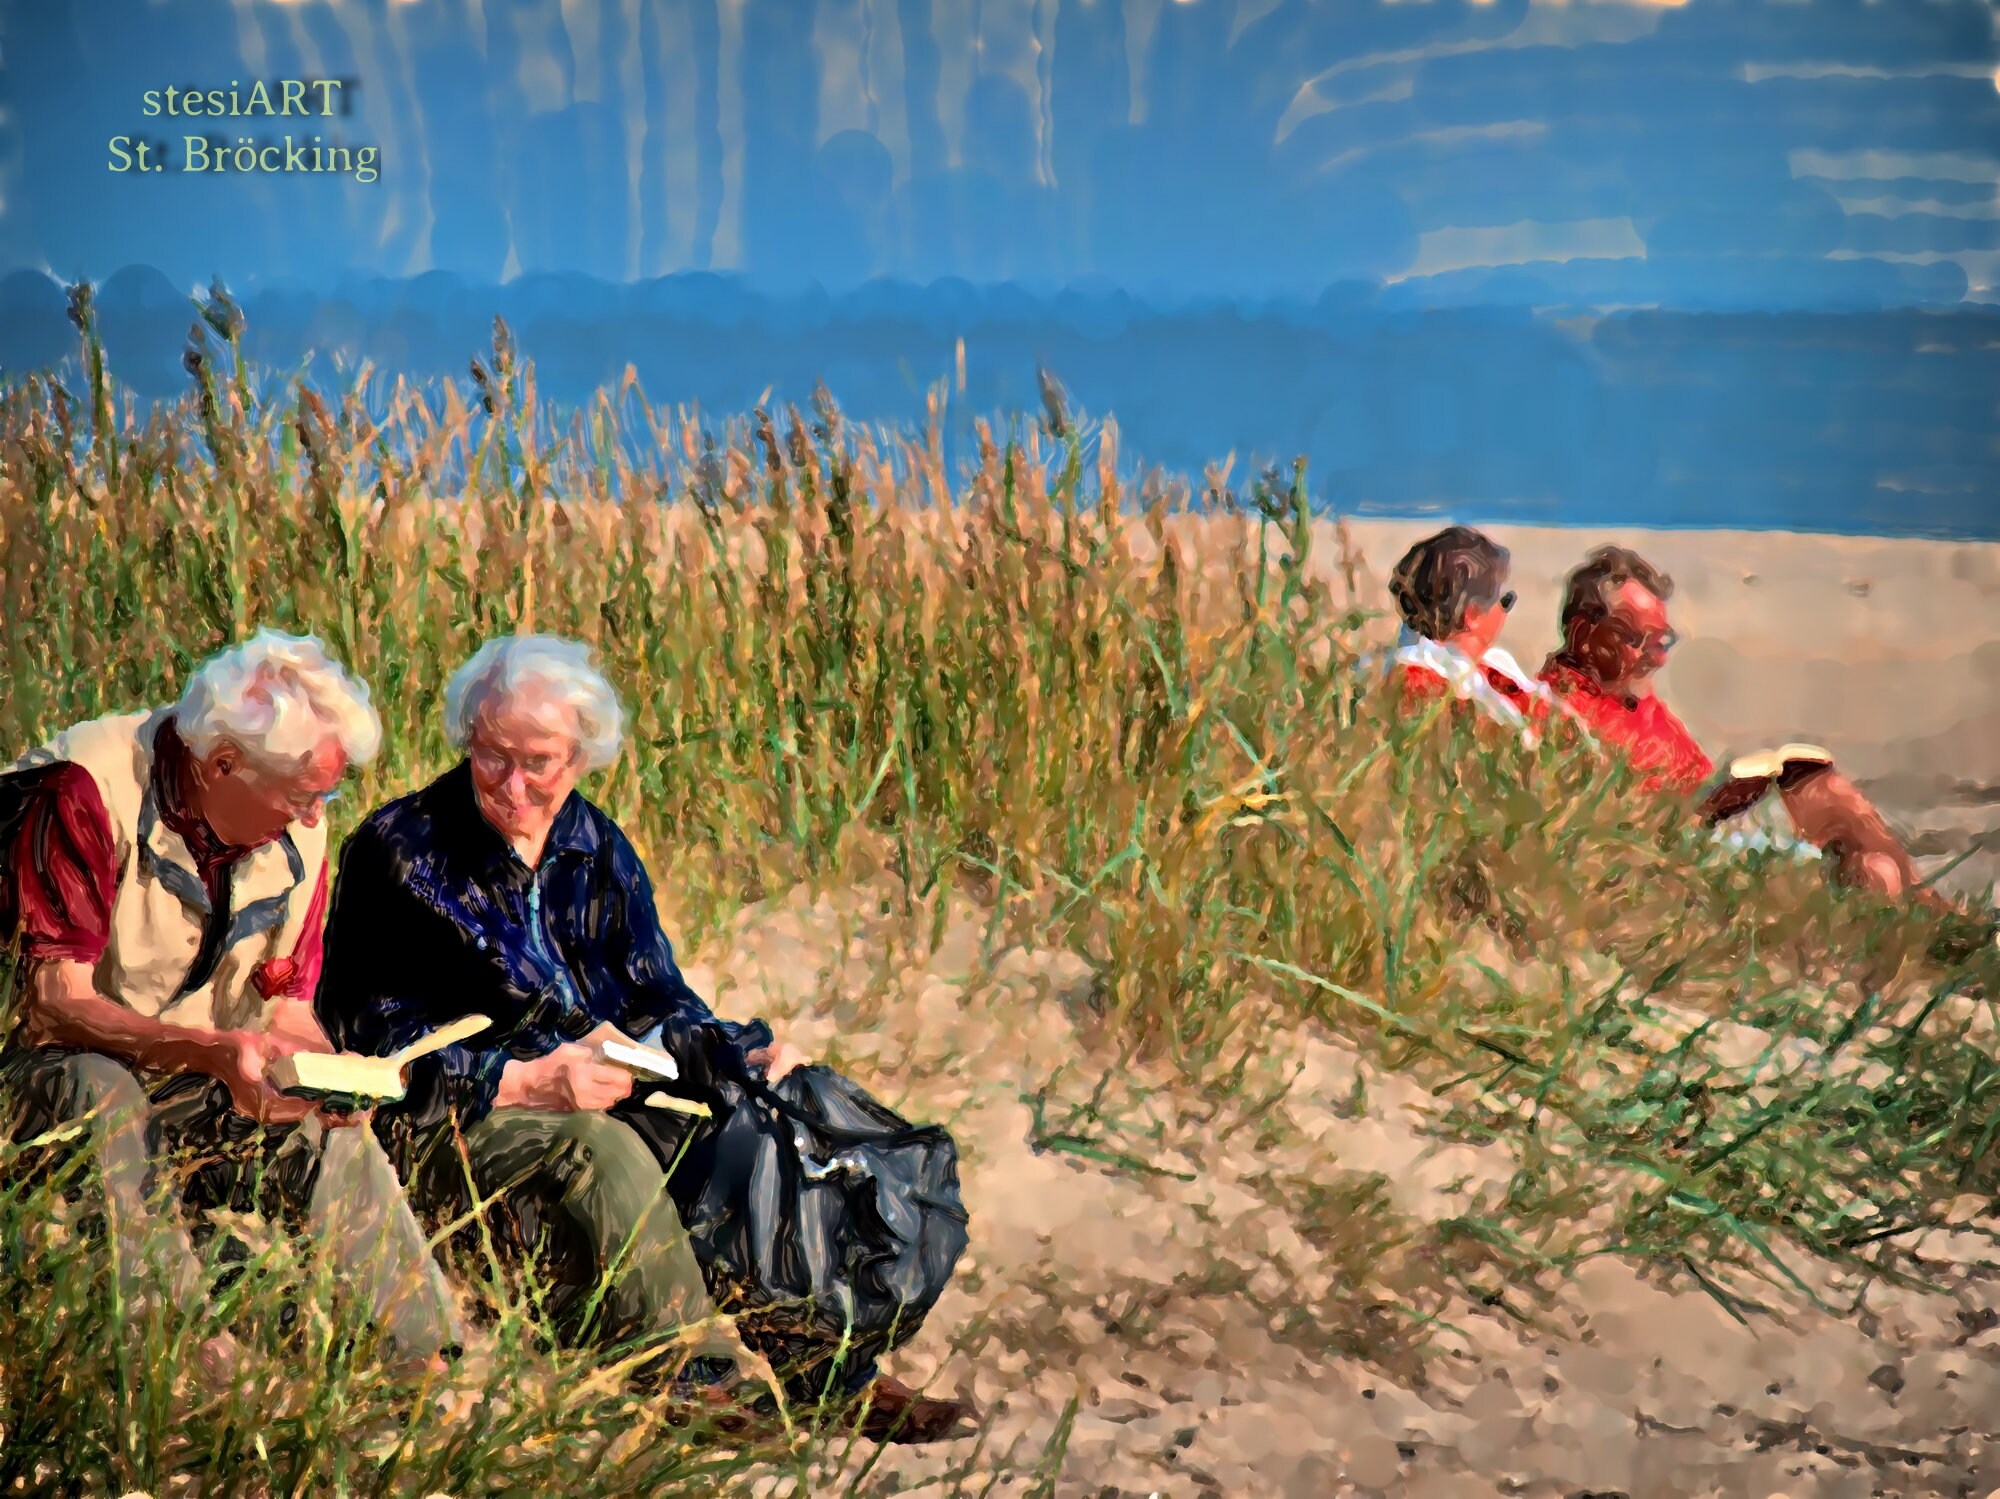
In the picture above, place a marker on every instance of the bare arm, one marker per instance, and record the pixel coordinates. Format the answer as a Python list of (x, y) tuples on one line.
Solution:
[(572, 1078), (63, 1008), (1831, 811)]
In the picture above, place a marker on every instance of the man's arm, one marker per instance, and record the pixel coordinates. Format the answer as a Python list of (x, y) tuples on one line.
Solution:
[(62, 865), (63, 1008), (1831, 811)]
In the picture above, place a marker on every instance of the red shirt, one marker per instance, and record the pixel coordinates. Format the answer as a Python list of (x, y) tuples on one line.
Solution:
[(60, 863), (59, 867), (1654, 740)]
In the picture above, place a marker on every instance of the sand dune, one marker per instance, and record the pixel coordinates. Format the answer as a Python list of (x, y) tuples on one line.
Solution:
[(1168, 1308)]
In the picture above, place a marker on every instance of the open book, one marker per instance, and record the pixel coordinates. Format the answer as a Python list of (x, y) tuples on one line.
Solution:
[(1750, 776), (348, 1080), (636, 1058), (345, 1079), (651, 1062)]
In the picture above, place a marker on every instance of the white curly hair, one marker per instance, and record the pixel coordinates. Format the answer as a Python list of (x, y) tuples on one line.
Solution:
[(277, 698), (561, 669)]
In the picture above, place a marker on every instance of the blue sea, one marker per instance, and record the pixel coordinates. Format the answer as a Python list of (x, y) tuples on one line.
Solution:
[(1862, 420)]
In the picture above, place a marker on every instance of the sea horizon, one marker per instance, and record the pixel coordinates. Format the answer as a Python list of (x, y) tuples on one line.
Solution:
[(1822, 419)]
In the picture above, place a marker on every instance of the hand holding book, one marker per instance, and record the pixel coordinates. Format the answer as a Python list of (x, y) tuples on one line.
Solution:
[(648, 1061), (348, 1080), (1749, 777)]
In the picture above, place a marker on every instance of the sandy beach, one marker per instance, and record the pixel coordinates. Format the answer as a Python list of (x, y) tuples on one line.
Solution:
[(1884, 650), (1159, 1305)]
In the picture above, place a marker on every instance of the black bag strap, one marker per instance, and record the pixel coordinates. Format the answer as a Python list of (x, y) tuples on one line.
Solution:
[(909, 1134)]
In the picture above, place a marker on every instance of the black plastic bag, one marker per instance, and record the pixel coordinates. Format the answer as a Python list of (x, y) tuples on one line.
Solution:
[(825, 1223)]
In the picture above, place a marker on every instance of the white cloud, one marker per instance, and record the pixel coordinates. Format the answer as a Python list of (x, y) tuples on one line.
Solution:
[(539, 74), (1948, 166), (676, 154), (1141, 19), (726, 250), (1848, 173), (1324, 96), (1248, 13), (1450, 136), (250, 38), (837, 39), (1463, 248), (633, 106), (1548, 23), (1757, 72), (1890, 206)]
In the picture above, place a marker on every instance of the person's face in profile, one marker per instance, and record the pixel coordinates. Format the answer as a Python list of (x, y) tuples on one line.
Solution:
[(1630, 644), (1484, 622), (247, 806)]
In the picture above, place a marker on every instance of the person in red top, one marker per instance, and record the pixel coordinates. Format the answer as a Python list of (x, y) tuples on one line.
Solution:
[(61, 863), (1451, 589), (163, 880), (1616, 636)]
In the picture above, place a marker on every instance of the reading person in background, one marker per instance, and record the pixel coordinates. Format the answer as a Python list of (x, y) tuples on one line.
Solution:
[(500, 890), (165, 876), (1616, 636), (1451, 590)]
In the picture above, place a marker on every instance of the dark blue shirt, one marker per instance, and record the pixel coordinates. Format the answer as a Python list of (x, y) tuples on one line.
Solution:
[(434, 916)]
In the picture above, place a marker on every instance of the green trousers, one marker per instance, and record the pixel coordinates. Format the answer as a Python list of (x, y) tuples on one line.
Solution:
[(584, 1201), (336, 1184)]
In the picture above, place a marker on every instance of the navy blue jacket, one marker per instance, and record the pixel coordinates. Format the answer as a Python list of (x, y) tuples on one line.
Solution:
[(434, 916)]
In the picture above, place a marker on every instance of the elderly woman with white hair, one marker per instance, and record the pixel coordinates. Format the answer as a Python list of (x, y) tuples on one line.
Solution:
[(500, 890), (164, 876)]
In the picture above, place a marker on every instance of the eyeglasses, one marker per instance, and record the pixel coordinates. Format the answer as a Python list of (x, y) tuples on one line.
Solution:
[(497, 763), (1644, 640), (299, 804)]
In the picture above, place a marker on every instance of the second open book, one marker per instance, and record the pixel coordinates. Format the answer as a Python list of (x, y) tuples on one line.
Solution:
[(1750, 776), (342, 1079)]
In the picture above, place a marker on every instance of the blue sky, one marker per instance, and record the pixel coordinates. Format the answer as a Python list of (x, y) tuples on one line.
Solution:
[(1705, 153)]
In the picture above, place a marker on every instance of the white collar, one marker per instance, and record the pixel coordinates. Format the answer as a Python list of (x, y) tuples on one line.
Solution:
[(1462, 673), (1502, 661), (1467, 678)]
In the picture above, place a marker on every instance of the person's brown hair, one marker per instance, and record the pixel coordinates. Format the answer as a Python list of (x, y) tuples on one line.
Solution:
[(1588, 595), (1442, 574)]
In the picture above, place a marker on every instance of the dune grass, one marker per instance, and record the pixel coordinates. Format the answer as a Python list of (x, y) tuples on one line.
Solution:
[(1132, 720)]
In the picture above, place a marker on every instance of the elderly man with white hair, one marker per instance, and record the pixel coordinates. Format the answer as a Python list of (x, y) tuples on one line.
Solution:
[(500, 890), (164, 875)]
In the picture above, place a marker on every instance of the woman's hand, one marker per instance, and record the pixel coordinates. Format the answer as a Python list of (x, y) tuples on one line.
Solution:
[(572, 1079), (777, 1059)]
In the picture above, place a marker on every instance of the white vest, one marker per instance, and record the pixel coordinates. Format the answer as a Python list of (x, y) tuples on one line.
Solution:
[(161, 907)]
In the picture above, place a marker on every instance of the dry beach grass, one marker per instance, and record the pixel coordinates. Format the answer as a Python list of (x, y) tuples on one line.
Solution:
[(1348, 1104)]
